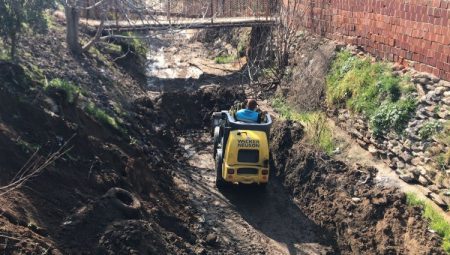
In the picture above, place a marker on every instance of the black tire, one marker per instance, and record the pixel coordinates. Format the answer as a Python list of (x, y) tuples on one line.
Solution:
[(220, 182), (124, 201)]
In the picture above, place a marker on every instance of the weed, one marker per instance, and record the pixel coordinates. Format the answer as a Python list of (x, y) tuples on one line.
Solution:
[(72, 91), (318, 133), (101, 115), (35, 73), (224, 59), (443, 160), (444, 135), (436, 221), (429, 129)]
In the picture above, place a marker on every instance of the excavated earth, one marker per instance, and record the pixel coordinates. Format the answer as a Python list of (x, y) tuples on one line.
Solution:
[(147, 187)]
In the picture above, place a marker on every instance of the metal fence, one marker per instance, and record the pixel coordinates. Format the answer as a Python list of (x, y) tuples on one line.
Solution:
[(172, 9)]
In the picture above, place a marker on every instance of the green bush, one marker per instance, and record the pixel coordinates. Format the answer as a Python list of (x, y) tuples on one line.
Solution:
[(392, 116), (429, 129), (101, 115), (370, 89), (68, 87), (436, 221)]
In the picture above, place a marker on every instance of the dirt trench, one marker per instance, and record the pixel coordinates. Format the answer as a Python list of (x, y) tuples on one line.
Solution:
[(170, 206)]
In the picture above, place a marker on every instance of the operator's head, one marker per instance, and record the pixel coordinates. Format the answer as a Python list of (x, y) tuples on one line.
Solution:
[(251, 104)]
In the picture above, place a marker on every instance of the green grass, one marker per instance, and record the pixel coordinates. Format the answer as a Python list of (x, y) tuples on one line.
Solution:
[(370, 89), (436, 221), (225, 59), (72, 91), (318, 133), (101, 116)]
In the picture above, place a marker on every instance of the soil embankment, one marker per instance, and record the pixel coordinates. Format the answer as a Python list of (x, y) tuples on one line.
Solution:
[(363, 216)]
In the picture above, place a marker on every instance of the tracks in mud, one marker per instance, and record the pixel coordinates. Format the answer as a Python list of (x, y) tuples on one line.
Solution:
[(241, 219)]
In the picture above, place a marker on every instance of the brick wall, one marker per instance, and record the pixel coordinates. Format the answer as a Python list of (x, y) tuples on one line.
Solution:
[(412, 32)]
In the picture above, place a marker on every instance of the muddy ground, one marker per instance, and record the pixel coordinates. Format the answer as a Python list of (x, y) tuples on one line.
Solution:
[(147, 186)]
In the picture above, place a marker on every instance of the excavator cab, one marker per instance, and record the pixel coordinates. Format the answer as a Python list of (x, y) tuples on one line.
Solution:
[(241, 150)]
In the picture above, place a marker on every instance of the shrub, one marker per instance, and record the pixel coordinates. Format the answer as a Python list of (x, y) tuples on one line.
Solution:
[(392, 116), (429, 129)]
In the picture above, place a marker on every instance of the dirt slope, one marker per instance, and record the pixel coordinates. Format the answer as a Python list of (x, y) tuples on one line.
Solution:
[(363, 216)]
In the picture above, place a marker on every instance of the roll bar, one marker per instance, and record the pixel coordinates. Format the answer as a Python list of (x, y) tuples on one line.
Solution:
[(232, 124)]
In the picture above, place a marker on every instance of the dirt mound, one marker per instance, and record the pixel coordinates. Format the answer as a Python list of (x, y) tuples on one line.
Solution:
[(365, 217), (189, 110)]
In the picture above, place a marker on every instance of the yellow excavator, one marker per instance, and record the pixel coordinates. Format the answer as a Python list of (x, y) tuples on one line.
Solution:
[(241, 150)]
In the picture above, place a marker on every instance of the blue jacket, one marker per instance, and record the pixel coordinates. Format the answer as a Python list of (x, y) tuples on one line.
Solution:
[(247, 115)]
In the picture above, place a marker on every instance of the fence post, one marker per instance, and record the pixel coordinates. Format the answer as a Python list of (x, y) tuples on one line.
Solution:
[(168, 11), (212, 11)]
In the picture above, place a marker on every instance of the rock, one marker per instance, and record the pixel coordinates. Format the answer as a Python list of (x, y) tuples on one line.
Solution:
[(434, 188), (446, 193), (444, 83), (356, 199), (446, 100), (421, 90), (435, 79), (372, 149), (400, 165), (408, 178), (417, 161), (438, 200), (422, 180), (406, 156), (439, 91), (211, 239)]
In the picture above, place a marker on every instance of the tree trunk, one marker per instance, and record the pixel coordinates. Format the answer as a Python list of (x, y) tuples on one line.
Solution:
[(72, 19), (13, 51)]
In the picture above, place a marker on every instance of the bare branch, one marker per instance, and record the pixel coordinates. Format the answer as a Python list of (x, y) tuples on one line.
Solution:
[(34, 166)]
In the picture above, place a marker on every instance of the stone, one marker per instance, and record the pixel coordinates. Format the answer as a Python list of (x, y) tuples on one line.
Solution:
[(211, 239), (421, 90), (446, 100), (438, 200), (408, 178), (435, 79), (444, 83), (406, 156), (440, 90), (356, 199), (422, 180), (416, 161), (372, 149), (434, 188), (400, 164)]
